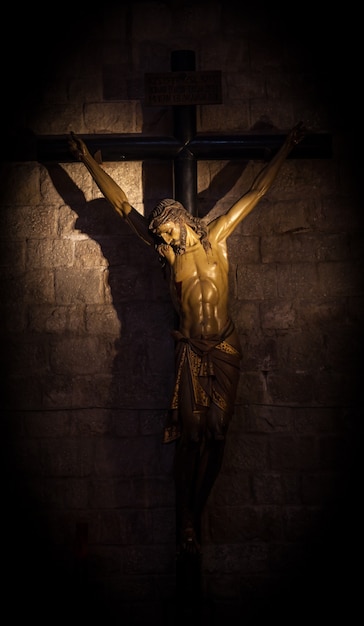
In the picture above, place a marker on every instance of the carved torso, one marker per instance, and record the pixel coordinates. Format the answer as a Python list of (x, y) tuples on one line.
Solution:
[(199, 286)]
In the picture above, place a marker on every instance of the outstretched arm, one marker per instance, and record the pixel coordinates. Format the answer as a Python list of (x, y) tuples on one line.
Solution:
[(225, 225), (108, 187), (266, 177), (111, 190)]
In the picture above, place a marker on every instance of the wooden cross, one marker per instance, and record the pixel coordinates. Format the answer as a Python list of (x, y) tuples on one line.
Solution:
[(185, 147)]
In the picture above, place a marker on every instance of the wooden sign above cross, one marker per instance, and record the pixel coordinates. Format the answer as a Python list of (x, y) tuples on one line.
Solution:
[(182, 88)]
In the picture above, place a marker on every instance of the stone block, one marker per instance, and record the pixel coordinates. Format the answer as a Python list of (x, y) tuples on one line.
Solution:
[(256, 281), (75, 287), (289, 453), (112, 117), (20, 188)]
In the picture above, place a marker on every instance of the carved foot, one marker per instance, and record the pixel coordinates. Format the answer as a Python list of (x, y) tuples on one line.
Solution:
[(188, 542)]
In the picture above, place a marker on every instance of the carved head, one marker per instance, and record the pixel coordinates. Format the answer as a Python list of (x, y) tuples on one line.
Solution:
[(169, 210)]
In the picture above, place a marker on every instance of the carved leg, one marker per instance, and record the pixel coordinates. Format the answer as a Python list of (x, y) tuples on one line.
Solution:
[(186, 466)]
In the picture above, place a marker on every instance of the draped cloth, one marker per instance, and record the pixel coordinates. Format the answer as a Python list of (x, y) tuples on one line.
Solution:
[(207, 369)]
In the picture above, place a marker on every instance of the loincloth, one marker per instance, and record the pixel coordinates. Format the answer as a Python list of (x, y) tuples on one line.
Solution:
[(213, 366)]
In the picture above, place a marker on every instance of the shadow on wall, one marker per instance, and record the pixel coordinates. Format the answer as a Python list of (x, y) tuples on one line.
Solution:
[(139, 290)]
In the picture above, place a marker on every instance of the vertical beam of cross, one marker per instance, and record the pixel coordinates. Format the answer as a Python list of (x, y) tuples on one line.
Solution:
[(184, 119)]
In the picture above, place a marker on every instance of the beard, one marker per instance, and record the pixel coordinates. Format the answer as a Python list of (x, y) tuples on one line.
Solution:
[(181, 247)]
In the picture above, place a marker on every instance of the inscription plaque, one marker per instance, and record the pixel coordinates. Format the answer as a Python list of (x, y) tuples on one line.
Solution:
[(183, 88)]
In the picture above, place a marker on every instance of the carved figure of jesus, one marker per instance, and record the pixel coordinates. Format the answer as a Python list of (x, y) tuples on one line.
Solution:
[(207, 350)]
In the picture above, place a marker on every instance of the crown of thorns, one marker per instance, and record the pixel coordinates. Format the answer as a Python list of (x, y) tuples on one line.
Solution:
[(168, 205)]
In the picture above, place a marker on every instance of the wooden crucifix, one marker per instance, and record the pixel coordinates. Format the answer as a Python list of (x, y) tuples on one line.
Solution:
[(195, 251), (207, 349)]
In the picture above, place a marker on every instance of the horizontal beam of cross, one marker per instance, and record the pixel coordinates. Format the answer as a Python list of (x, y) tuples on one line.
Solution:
[(137, 147)]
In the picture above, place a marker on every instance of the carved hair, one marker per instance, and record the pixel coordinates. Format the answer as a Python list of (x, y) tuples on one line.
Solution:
[(172, 210)]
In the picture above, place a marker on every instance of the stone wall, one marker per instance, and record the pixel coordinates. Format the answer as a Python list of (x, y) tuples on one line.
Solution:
[(86, 315)]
